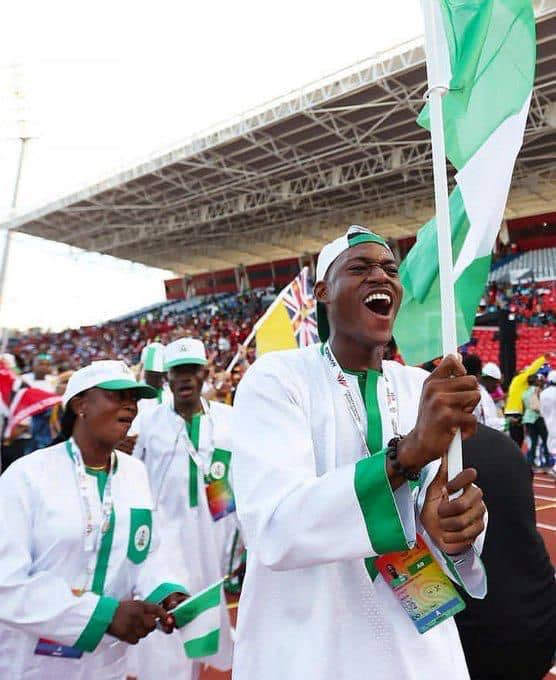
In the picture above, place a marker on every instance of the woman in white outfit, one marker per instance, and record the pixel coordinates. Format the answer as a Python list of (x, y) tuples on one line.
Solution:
[(81, 574)]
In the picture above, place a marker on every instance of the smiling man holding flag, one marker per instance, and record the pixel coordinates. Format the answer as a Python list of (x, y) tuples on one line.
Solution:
[(351, 522), (351, 539)]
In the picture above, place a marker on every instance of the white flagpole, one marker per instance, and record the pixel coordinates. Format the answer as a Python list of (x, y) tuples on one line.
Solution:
[(258, 324), (438, 75)]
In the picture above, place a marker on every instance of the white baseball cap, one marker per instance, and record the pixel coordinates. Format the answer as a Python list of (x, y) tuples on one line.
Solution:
[(108, 375), (354, 236), (152, 357), (491, 370), (185, 351), (551, 377)]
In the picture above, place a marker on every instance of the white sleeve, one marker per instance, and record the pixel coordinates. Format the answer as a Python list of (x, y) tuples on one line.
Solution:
[(41, 603), (492, 419), (465, 569), (140, 448), (290, 517)]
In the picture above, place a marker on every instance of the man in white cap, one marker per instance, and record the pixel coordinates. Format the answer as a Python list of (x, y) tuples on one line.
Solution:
[(154, 374), (186, 448), (342, 498), (548, 412), (485, 411)]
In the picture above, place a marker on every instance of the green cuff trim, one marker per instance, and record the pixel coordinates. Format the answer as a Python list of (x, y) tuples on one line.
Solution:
[(162, 591), (378, 505), (98, 624)]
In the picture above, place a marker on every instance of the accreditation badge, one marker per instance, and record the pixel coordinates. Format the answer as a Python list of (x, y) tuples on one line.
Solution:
[(50, 648), (219, 492), (424, 591)]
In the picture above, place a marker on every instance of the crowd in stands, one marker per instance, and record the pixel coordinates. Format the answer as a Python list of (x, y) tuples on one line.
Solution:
[(221, 323), (532, 303)]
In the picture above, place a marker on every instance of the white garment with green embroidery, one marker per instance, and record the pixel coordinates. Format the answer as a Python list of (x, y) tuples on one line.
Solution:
[(308, 607), (42, 559), (202, 543)]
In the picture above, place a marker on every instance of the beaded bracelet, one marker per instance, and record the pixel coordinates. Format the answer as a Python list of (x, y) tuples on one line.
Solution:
[(392, 453)]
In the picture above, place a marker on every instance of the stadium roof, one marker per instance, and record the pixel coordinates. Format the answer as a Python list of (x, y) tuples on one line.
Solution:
[(284, 178)]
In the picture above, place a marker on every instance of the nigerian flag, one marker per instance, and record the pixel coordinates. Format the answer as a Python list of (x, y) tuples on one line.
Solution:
[(200, 618), (489, 48)]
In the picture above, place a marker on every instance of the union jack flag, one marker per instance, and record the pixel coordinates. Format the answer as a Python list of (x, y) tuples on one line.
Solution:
[(301, 307)]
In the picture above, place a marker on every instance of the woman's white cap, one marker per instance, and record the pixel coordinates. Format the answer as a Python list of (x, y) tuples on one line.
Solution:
[(108, 375)]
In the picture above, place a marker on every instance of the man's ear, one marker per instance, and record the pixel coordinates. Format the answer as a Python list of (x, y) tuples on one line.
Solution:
[(321, 291)]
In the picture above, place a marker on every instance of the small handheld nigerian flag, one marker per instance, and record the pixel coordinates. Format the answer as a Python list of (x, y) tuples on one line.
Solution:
[(487, 49), (199, 616)]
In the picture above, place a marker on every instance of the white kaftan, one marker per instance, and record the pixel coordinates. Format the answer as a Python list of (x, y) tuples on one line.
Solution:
[(200, 542), (308, 608)]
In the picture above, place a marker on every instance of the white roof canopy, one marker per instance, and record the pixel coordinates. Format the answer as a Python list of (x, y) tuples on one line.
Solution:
[(283, 179)]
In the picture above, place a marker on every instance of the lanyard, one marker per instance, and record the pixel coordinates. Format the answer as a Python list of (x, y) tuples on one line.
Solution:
[(338, 378), (92, 540), (192, 455)]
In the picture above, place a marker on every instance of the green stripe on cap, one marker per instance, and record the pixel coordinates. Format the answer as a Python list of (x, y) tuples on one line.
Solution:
[(356, 239), (182, 362), (150, 356), (144, 391)]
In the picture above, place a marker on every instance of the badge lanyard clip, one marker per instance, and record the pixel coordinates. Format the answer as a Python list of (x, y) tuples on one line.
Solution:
[(338, 378), (91, 539)]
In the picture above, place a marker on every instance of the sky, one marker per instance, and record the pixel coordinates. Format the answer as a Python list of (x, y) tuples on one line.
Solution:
[(108, 83)]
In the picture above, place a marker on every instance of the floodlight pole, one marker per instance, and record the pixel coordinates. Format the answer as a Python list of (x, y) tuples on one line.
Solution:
[(6, 235)]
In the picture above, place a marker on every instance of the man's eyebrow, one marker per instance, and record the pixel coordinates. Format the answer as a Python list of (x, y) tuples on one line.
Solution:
[(372, 260)]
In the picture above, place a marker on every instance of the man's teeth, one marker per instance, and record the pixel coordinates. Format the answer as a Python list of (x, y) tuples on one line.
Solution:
[(378, 296)]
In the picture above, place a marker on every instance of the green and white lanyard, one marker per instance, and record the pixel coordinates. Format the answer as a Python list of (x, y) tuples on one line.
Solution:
[(97, 543), (340, 381), (192, 443), (191, 437)]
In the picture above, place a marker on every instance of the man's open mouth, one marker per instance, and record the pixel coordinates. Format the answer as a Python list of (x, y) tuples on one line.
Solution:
[(379, 303)]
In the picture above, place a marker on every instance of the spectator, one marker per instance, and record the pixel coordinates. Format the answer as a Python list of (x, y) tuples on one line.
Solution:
[(40, 376), (511, 634), (534, 424), (548, 412), (514, 402), (485, 412), (55, 420)]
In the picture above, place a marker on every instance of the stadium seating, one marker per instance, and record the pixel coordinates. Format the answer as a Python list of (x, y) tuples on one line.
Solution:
[(541, 263), (532, 342)]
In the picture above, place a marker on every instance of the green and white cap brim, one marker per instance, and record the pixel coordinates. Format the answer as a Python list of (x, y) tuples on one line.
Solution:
[(183, 352), (152, 357), (354, 236), (106, 375)]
